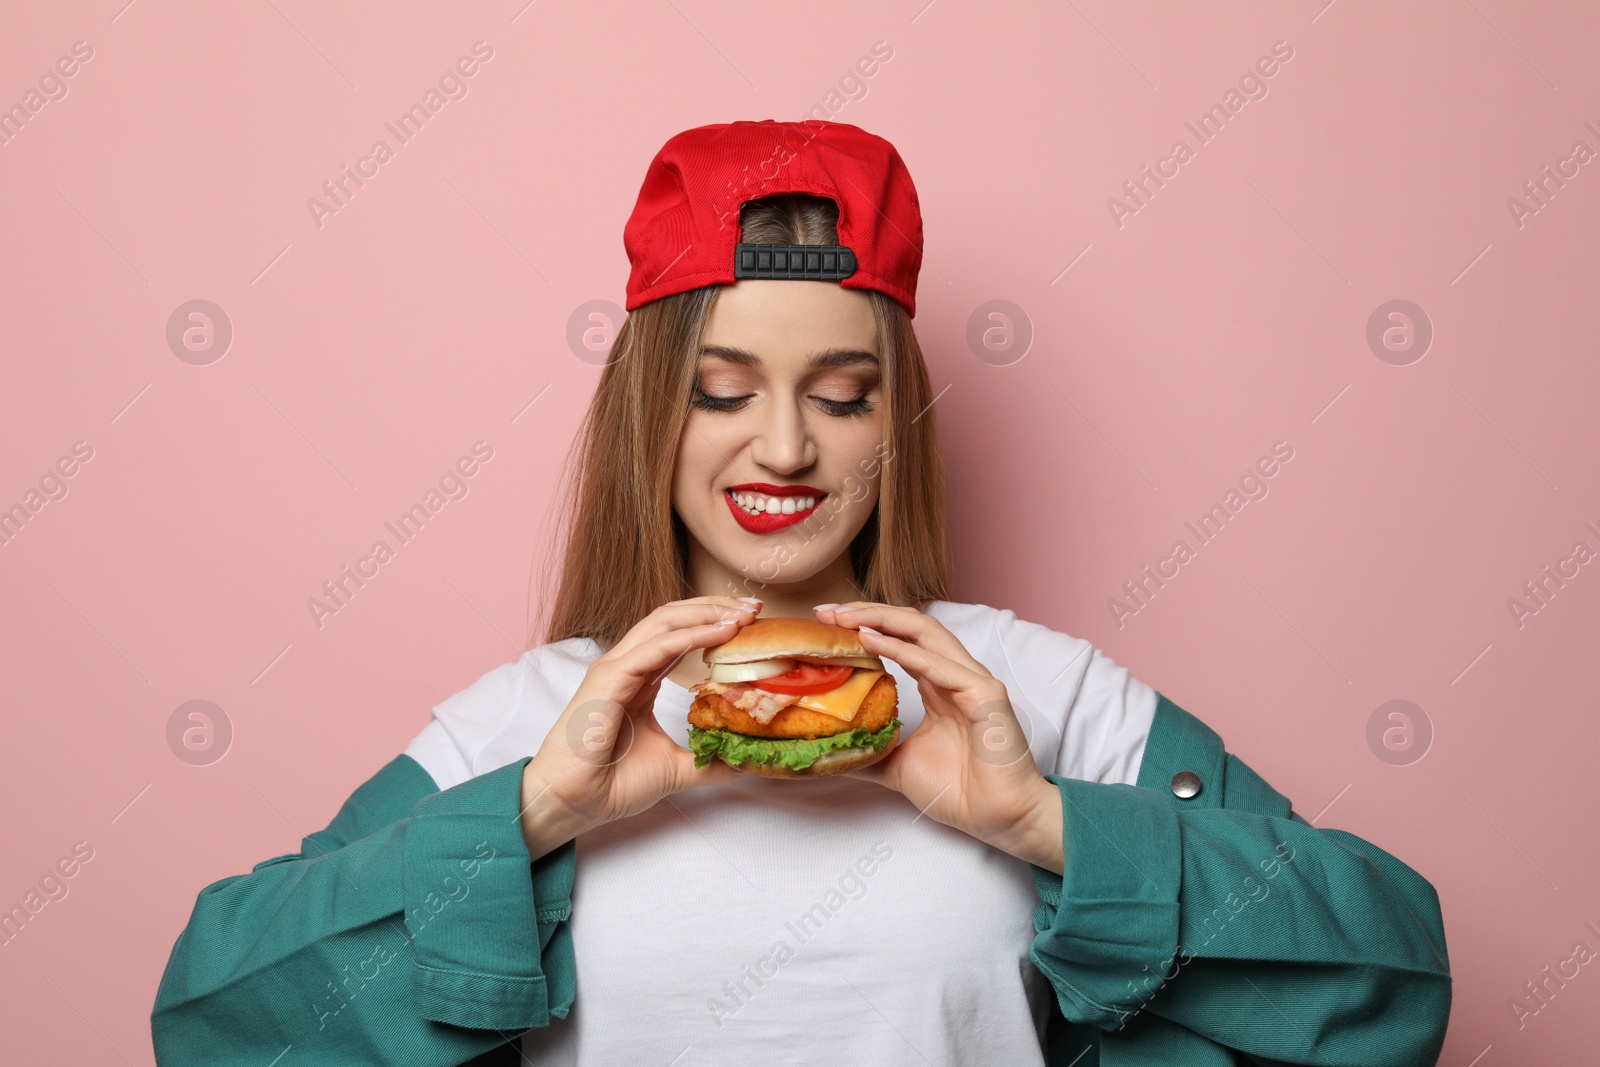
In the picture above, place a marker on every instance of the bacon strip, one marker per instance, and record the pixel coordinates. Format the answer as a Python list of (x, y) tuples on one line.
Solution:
[(759, 704)]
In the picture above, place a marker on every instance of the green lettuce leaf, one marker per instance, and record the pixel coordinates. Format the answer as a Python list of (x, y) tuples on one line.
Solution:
[(794, 753)]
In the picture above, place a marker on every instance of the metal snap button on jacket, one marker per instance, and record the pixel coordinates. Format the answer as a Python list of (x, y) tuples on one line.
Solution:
[(1185, 784)]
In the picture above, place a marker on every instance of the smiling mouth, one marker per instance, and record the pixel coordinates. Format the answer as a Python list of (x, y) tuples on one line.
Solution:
[(759, 511), (763, 504)]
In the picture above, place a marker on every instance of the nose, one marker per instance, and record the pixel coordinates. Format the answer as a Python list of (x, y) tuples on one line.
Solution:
[(785, 443)]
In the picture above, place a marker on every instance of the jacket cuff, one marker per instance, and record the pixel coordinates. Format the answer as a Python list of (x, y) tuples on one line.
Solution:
[(480, 914), (1107, 928)]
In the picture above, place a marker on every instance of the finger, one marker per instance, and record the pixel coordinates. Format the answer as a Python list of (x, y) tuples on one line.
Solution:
[(674, 764), (619, 694), (967, 687), (681, 613), (907, 623), (612, 714), (883, 773), (689, 776), (632, 672), (673, 618)]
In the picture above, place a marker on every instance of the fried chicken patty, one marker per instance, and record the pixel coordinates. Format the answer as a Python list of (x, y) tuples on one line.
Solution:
[(711, 712)]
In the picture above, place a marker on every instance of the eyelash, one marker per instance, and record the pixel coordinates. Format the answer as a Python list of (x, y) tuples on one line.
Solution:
[(846, 409)]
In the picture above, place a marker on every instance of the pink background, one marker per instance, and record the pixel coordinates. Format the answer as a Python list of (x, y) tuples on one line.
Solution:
[(369, 354)]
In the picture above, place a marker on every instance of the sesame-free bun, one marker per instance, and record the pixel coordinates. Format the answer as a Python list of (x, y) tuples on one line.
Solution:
[(772, 638)]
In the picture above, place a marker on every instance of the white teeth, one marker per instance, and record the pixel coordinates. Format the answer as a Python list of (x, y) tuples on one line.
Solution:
[(761, 504)]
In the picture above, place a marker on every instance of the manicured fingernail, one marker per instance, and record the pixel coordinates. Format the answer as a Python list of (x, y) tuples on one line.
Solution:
[(823, 607), (868, 630), (752, 599), (747, 607)]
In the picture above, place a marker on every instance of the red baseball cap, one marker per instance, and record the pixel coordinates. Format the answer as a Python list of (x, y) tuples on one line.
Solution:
[(684, 232)]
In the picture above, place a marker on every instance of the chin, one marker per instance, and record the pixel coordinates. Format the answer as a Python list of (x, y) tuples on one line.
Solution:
[(777, 562)]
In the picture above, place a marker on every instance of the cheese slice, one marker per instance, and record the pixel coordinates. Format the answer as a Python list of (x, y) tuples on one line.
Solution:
[(842, 702)]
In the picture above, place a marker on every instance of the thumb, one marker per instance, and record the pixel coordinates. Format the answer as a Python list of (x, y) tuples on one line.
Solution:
[(882, 772), (685, 775)]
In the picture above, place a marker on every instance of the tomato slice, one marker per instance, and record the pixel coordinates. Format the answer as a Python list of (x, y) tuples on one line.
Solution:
[(805, 678)]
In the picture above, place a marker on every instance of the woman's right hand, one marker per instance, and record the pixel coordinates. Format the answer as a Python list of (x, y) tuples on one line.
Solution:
[(606, 757)]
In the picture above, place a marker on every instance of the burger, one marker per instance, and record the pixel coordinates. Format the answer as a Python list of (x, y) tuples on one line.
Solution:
[(793, 698)]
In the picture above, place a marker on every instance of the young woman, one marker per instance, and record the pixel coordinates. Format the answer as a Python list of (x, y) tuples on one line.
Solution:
[(1056, 864)]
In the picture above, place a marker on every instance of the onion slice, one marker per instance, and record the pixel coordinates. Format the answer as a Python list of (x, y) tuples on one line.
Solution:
[(870, 663), (750, 672)]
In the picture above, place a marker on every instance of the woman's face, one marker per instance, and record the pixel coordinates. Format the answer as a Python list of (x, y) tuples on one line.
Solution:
[(778, 464)]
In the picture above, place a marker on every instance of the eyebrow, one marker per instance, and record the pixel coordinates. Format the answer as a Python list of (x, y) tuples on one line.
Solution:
[(828, 357)]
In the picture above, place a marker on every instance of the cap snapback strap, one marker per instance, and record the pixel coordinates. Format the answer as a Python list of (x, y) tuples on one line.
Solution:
[(806, 262)]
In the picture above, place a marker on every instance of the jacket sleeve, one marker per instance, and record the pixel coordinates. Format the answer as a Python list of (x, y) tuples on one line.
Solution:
[(413, 929), (1225, 919)]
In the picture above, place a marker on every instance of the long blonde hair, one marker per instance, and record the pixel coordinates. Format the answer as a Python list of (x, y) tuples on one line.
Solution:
[(623, 551)]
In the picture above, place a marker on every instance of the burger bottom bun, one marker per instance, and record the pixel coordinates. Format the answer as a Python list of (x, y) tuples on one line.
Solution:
[(827, 765)]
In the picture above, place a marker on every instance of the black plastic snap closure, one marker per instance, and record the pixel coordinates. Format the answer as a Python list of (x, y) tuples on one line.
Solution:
[(825, 263)]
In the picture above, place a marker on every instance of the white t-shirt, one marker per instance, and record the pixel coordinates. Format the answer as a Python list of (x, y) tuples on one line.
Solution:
[(821, 921)]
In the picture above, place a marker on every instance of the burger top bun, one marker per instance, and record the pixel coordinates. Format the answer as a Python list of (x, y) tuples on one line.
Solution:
[(775, 637)]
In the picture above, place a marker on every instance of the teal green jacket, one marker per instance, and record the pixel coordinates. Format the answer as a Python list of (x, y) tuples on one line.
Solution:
[(1203, 928)]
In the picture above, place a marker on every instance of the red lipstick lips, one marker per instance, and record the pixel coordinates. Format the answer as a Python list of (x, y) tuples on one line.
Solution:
[(768, 522)]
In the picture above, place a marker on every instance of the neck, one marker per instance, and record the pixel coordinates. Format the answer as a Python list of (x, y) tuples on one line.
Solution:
[(834, 584)]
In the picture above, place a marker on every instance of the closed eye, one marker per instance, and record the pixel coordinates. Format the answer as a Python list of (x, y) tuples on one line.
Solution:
[(706, 402), (844, 409), (848, 409)]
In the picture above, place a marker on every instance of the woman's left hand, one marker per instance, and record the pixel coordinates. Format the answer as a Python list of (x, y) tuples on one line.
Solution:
[(968, 764)]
